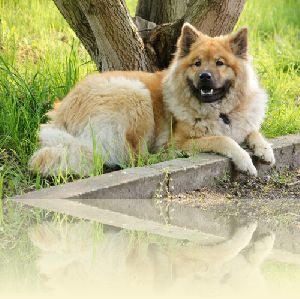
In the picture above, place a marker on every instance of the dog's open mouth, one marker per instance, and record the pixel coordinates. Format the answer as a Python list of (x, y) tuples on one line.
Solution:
[(207, 91), (209, 94)]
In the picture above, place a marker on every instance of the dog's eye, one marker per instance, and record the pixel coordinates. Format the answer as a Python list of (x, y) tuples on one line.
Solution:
[(219, 62), (198, 63)]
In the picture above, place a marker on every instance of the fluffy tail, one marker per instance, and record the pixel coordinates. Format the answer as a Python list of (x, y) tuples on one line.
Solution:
[(61, 153)]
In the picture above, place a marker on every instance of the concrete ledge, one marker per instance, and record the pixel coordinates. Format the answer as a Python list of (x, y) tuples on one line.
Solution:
[(177, 176)]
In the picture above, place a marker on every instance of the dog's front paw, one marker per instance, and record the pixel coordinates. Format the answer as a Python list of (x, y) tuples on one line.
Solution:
[(243, 163), (265, 153)]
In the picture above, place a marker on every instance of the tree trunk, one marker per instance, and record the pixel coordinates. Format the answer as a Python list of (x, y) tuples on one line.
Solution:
[(115, 42), (108, 33), (161, 11), (214, 17), (79, 23)]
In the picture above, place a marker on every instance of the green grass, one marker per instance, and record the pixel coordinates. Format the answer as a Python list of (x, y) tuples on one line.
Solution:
[(275, 45)]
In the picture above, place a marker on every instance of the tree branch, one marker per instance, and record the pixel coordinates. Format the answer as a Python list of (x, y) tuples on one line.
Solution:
[(116, 35)]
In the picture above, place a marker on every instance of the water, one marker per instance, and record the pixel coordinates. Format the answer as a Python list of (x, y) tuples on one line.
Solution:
[(241, 249)]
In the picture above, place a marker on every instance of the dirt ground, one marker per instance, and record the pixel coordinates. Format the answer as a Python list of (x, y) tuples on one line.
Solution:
[(276, 185), (275, 196)]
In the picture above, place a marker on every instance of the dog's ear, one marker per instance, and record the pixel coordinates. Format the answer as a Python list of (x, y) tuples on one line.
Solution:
[(239, 43), (189, 34)]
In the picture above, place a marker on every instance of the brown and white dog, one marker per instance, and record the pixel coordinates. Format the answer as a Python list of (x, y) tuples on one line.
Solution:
[(209, 99)]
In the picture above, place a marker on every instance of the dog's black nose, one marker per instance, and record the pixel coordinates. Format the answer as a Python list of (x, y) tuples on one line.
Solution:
[(206, 76)]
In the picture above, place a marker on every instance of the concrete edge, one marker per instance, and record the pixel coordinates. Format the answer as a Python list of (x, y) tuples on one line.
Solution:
[(180, 175), (123, 221)]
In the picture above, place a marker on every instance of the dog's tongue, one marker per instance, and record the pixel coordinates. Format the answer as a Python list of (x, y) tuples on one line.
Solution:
[(207, 91)]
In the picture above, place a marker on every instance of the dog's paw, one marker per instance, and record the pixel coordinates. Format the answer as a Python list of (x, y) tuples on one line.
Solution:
[(243, 163), (265, 153)]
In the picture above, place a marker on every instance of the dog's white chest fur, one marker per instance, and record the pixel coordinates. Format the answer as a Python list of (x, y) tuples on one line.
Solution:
[(233, 125)]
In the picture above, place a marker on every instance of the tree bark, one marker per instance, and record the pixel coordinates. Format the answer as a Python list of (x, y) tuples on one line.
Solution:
[(115, 43), (105, 25), (79, 23), (161, 11), (214, 17), (162, 41)]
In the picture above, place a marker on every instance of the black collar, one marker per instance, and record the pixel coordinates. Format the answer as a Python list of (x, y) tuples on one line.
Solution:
[(225, 118)]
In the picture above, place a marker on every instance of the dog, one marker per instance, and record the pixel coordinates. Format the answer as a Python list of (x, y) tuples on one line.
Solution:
[(79, 258), (208, 100)]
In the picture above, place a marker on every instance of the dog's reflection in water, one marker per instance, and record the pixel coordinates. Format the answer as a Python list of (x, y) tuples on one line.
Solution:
[(75, 258)]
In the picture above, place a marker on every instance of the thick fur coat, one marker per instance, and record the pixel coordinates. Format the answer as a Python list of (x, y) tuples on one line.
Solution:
[(209, 99)]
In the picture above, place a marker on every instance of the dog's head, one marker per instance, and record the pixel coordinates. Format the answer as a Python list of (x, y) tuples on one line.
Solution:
[(211, 65)]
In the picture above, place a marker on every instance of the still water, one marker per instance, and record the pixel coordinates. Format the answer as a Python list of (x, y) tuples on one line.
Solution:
[(246, 255)]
